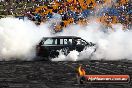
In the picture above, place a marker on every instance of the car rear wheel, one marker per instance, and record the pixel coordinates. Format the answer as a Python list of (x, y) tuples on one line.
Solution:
[(53, 54)]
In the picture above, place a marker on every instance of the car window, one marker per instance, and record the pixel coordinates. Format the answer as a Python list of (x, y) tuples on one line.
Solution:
[(55, 41), (70, 41), (67, 41), (50, 41), (61, 41), (80, 42)]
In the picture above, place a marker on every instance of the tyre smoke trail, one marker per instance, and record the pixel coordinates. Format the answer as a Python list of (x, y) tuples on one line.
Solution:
[(112, 43), (19, 37)]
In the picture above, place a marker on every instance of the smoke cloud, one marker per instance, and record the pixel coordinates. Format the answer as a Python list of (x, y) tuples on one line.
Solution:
[(19, 37), (111, 43)]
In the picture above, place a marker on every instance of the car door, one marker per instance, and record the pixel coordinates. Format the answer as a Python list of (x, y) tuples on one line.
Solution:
[(65, 45), (41, 50), (68, 45), (52, 47), (79, 44), (46, 46)]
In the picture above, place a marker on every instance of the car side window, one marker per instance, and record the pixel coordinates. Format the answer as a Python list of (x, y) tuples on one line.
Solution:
[(80, 42), (65, 41), (61, 41), (68, 41), (50, 41), (54, 41)]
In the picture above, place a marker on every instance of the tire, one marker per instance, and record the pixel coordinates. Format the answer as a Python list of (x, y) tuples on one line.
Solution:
[(53, 54)]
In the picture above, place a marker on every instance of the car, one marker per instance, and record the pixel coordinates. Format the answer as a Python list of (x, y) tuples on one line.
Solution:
[(50, 46)]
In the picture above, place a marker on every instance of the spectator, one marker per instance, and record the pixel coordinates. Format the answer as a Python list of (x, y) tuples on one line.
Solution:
[(71, 11)]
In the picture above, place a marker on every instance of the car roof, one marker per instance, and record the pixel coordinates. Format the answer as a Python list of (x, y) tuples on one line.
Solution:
[(62, 37)]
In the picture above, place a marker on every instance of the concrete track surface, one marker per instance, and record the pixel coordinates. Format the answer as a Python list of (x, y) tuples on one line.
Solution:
[(46, 74)]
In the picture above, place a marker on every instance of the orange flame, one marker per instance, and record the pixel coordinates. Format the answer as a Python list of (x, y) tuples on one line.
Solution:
[(81, 71)]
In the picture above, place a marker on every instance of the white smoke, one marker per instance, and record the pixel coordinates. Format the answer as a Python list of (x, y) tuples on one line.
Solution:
[(72, 56), (18, 38), (112, 43), (117, 45)]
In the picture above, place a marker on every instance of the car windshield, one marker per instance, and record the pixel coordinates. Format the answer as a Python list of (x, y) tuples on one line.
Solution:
[(80, 42)]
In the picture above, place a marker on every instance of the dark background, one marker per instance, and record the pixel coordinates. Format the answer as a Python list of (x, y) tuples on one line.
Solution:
[(46, 74)]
